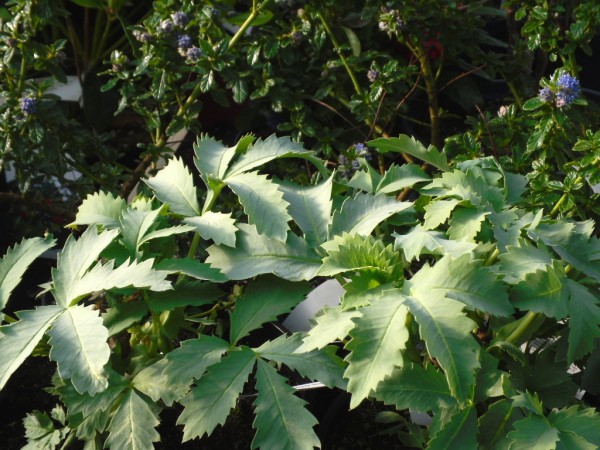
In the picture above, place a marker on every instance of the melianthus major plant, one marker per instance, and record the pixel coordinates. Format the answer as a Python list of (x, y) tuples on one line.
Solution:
[(460, 304)]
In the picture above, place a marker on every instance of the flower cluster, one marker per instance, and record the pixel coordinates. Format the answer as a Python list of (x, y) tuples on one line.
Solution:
[(194, 54), (563, 90), (28, 105), (390, 20), (372, 75)]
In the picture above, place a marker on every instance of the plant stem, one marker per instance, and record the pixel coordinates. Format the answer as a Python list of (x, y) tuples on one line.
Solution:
[(562, 199), (526, 322)]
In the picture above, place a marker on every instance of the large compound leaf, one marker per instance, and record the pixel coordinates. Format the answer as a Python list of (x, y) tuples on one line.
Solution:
[(376, 345), (417, 388), (518, 261), (271, 148), (466, 280), (16, 261), (263, 203), (419, 241), (459, 432), (75, 260), (133, 425), (533, 432), (219, 227), (170, 378), (310, 207), (584, 322), (331, 325), (134, 225), (263, 301), (438, 212), (102, 401), (543, 291), (78, 341), (209, 403), (466, 223), (400, 177), (212, 157), (281, 420), (100, 208), (362, 213), (256, 254), (446, 331), (18, 340), (407, 144), (175, 185), (321, 365), (584, 423)]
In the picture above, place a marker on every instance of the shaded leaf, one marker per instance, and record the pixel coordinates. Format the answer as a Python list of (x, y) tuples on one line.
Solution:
[(584, 322), (533, 432), (459, 432), (192, 268), (331, 325), (418, 241), (543, 291), (186, 293), (496, 423)]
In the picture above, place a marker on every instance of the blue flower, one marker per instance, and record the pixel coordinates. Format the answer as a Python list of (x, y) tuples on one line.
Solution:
[(180, 19), (28, 105), (184, 41), (356, 164), (372, 75), (194, 54), (166, 26), (568, 90), (343, 160), (546, 95)]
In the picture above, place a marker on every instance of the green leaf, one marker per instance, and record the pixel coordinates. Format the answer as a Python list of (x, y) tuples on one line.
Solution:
[(216, 226), (192, 268), (496, 423), (16, 261), (407, 144), (446, 331), (465, 224), (18, 340), (583, 422), (133, 425), (320, 365), (459, 432), (74, 261), (584, 322), (437, 212), (213, 158), (352, 40), (123, 315), (417, 388), (89, 405), (400, 177), (331, 325), (364, 289), (40, 432), (418, 241), (263, 203), (362, 213), (100, 208), (264, 300), (256, 254), (533, 432), (209, 403), (186, 293), (134, 225), (466, 280), (78, 341), (170, 378), (533, 103), (174, 185), (543, 291), (310, 207), (349, 253), (376, 346), (166, 232), (281, 420), (518, 261)]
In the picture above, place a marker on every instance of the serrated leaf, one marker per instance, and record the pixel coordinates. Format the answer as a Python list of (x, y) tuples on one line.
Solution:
[(209, 403), (216, 226), (459, 432), (263, 203), (15, 262), (533, 432), (584, 322), (74, 261), (192, 268), (256, 254), (376, 346), (331, 325), (400, 177), (465, 224), (134, 225), (437, 212), (543, 291), (418, 241), (78, 341), (102, 401), (100, 208), (416, 388), (529, 402), (40, 432), (261, 152), (350, 253), (310, 207), (212, 157), (174, 185), (364, 289), (582, 422), (123, 315), (264, 300), (365, 180), (496, 423), (362, 213), (466, 280), (407, 144), (446, 331), (186, 293), (18, 340), (520, 260), (317, 365), (133, 425), (281, 420), (169, 379)]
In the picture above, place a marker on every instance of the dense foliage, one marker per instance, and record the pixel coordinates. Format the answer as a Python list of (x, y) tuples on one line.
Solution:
[(468, 265)]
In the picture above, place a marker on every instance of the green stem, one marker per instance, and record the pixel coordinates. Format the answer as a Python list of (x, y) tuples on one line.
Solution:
[(562, 199), (338, 50), (253, 14), (526, 322), (22, 73), (492, 258)]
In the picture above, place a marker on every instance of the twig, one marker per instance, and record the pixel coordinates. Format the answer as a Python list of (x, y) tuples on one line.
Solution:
[(462, 75)]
